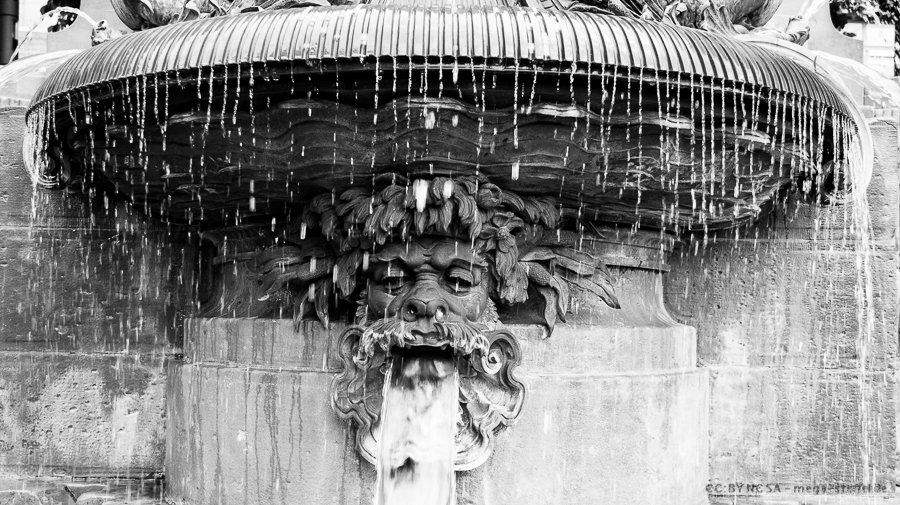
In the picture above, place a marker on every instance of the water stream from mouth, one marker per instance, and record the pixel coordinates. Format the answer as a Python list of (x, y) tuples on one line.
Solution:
[(416, 446)]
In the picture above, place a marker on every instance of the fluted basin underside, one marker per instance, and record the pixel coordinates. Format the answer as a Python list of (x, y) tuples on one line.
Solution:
[(234, 120), (510, 37)]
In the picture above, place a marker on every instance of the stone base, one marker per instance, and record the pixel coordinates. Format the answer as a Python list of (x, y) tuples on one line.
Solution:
[(804, 499), (605, 439), (107, 490), (247, 427)]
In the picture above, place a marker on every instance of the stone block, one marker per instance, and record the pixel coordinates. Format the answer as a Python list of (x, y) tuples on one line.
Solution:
[(81, 273), (801, 393), (259, 437), (786, 303), (47, 491), (612, 439), (81, 414), (796, 427), (264, 342), (76, 489), (19, 498), (91, 291), (596, 428)]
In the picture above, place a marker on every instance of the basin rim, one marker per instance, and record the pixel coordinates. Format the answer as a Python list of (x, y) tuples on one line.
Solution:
[(493, 39)]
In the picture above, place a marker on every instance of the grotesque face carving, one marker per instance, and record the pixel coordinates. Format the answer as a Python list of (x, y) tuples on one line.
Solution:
[(426, 283), (429, 292), (428, 260), (427, 305)]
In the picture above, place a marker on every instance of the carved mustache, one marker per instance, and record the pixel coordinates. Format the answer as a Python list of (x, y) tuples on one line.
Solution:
[(463, 337)]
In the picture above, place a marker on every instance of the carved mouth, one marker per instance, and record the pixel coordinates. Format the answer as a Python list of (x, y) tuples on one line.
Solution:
[(387, 334), (423, 350), (479, 392), (425, 340)]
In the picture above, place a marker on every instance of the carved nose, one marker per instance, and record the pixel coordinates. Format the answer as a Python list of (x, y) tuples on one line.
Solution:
[(414, 309), (437, 309)]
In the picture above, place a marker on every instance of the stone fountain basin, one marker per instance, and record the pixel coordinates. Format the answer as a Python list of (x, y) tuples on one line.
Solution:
[(615, 400), (237, 119)]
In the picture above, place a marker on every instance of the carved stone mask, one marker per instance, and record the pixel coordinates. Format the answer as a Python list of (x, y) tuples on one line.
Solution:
[(428, 282), (424, 295), (426, 260)]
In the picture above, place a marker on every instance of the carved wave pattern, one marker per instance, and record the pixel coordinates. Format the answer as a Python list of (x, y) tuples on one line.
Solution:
[(642, 161)]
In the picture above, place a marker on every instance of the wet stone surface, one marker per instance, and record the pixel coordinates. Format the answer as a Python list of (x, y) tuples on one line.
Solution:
[(94, 491)]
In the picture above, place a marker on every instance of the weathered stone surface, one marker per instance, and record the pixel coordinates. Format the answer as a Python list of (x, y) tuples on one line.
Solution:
[(19, 498), (807, 498), (77, 276), (259, 436), (65, 491), (75, 290), (799, 394), (81, 413), (259, 342), (45, 491), (91, 301), (613, 439), (785, 302), (801, 426), (76, 489), (267, 434), (612, 347)]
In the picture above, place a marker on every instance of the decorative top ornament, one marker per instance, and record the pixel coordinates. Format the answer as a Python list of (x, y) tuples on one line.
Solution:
[(145, 14), (730, 17)]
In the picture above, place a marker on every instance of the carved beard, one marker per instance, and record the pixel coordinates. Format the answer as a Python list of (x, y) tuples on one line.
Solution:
[(490, 395), (462, 337)]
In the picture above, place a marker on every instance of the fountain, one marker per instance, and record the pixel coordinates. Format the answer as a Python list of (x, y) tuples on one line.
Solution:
[(433, 235)]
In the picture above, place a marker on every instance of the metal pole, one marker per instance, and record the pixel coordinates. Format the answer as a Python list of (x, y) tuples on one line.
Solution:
[(9, 23)]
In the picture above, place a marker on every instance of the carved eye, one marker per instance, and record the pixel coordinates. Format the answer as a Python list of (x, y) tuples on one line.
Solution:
[(394, 280), (460, 280)]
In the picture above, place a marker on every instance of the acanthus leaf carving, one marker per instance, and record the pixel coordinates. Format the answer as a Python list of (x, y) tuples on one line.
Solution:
[(326, 250)]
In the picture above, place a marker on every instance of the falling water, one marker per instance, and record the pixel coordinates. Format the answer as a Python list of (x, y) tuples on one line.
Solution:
[(416, 451), (416, 446)]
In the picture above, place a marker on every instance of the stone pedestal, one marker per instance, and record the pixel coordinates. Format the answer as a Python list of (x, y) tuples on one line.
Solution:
[(616, 412)]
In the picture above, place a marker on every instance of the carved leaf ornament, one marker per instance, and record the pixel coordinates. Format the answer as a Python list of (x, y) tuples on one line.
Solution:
[(331, 243)]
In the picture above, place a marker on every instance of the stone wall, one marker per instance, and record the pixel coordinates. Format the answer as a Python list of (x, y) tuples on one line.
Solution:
[(91, 304), (798, 396)]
